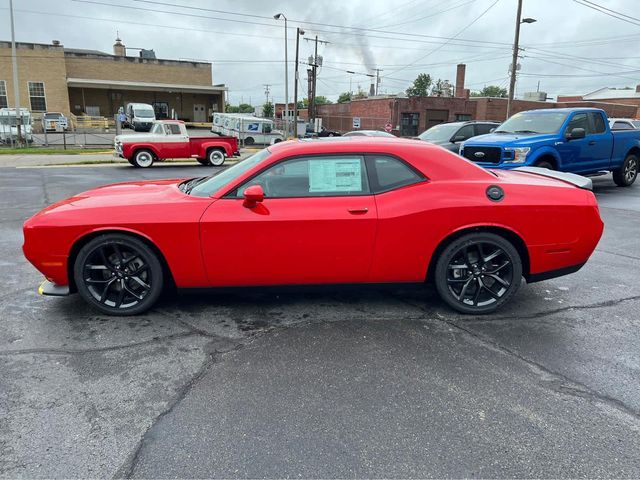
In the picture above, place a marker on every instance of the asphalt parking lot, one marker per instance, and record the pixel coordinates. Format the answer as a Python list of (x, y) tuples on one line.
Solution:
[(349, 382)]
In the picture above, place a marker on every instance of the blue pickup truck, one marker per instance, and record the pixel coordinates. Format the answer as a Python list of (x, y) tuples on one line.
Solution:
[(576, 140)]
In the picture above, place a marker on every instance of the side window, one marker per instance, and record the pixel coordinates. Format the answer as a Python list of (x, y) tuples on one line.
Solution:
[(484, 128), (466, 132), (328, 176), (266, 128), (621, 126), (579, 120), (388, 173), (173, 129), (598, 123)]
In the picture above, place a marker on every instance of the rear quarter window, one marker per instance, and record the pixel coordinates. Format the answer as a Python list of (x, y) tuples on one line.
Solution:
[(389, 173)]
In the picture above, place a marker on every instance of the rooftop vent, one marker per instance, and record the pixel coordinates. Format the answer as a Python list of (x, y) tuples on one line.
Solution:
[(149, 54)]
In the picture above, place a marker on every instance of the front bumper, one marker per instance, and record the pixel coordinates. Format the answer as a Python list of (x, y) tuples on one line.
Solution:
[(49, 288)]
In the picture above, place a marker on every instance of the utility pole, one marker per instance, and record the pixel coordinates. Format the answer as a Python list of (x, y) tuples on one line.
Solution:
[(314, 75), (285, 112), (267, 86), (514, 60), (16, 84), (299, 32)]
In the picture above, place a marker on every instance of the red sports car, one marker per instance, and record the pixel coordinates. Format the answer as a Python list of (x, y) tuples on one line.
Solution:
[(352, 210)]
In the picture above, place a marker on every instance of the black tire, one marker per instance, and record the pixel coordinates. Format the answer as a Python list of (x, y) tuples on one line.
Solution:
[(545, 164), (104, 274), (249, 141), (143, 158), (627, 174), (203, 161), (216, 157), (485, 261), (130, 160)]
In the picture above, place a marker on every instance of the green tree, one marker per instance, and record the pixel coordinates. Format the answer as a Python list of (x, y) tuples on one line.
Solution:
[(230, 108), (302, 104), (344, 97), (420, 87), (245, 108), (267, 110), (491, 91), (322, 100)]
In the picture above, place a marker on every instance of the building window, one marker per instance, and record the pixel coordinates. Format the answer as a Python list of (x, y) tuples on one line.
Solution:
[(36, 97), (409, 124), (3, 94), (462, 117)]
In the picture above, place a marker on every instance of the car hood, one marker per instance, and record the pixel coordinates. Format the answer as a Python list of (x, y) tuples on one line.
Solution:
[(133, 137), (113, 200), (509, 139)]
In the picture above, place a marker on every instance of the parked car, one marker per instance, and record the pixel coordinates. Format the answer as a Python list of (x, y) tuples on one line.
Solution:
[(10, 118), (576, 140), (169, 139), (450, 135), (139, 116), (370, 210), (623, 124), (328, 133), (246, 128), (368, 133), (51, 121)]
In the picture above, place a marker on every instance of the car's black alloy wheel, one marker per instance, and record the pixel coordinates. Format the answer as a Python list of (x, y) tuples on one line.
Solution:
[(118, 274), (625, 176), (478, 273)]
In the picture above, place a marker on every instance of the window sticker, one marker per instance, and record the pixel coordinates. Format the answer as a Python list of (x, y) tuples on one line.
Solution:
[(335, 175)]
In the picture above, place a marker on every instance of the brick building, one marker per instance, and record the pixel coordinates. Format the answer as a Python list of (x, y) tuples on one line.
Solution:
[(88, 82), (622, 96), (409, 116)]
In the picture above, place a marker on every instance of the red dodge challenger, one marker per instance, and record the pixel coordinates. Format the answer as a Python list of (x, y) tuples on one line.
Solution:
[(342, 211)]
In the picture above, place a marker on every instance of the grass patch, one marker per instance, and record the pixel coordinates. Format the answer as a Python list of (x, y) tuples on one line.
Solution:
[(52, 151)]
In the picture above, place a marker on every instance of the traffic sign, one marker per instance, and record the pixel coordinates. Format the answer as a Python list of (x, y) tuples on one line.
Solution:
[(356, 122), (388, 127)]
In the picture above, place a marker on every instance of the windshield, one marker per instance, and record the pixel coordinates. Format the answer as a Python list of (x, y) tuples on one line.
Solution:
[(532, 122), (217, 181), (439, 133), (636, 123), (52, 116), (144, 113)]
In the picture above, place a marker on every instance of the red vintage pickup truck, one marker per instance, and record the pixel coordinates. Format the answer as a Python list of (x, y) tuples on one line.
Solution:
[(169, 139)]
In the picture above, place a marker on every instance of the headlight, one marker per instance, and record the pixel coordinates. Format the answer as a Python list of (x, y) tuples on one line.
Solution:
[(519, 154)]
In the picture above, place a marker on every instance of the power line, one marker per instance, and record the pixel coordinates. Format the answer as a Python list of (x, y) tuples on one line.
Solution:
[(614, 14), (452, 38)]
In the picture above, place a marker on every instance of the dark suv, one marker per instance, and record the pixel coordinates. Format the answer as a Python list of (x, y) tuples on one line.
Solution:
[(450, 135)]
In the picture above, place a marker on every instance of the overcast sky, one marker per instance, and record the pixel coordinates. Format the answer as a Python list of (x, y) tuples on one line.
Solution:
[(570, 49)]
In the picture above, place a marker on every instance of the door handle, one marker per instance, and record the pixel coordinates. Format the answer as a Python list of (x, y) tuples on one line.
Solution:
[(356, 211), (592, 142)]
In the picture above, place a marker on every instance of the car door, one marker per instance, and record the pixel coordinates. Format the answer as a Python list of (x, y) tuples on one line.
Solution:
[(577, 155), (316, 225), (176, 142), (600, 141)]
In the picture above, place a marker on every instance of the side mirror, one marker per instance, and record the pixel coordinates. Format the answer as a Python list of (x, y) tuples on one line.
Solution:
[(458, 138), (252, 196), (576, 134)]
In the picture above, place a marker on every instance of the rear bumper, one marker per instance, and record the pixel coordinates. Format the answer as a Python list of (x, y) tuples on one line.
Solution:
[(538, 277)]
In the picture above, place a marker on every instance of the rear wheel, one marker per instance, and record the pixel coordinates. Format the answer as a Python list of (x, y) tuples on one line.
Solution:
[(118, 274), (478, 273), (215, 157), (143, 159), (249, 141), (627, 174)]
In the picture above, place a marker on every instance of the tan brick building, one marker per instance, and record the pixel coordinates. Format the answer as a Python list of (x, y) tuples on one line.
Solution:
[(88, 82)]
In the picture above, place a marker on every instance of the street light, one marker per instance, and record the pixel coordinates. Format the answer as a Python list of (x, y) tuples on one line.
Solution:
[(514, 60), (299, 33), (278, 16)]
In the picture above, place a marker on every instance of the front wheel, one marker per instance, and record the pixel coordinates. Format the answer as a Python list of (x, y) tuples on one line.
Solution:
[(118, 274), (215, 157), (478, 273), (249, 141), (545, 164), (143, 159), (627, 174)]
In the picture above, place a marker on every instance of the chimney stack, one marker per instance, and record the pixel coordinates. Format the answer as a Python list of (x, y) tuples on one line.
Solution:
[(460, 73), (119, 49)]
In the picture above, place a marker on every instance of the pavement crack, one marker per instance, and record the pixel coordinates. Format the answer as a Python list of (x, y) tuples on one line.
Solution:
[(553, 380), (127, 468), (72, 351), (617, 254)]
